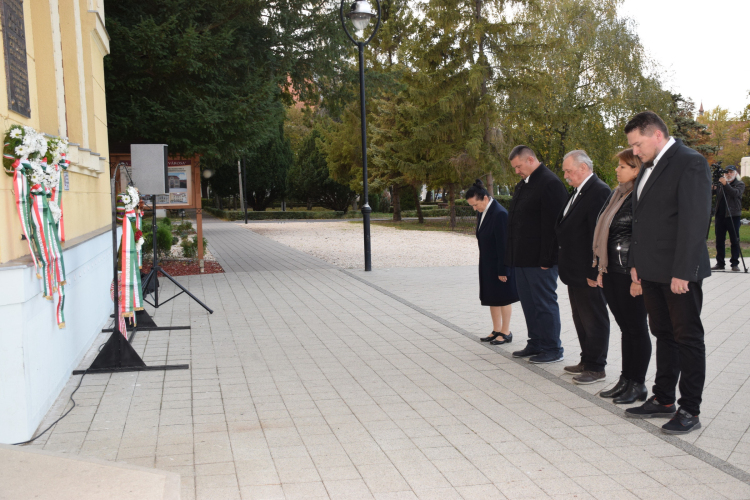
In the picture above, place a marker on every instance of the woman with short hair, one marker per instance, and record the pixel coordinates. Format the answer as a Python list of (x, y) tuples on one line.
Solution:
[(612, 238), (497, 282)]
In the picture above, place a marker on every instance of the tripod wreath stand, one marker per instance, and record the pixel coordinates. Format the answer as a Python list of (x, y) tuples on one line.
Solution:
[(117, 354)]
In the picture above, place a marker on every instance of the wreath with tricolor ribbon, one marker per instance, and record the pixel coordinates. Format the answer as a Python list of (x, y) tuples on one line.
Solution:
[(37, 163)]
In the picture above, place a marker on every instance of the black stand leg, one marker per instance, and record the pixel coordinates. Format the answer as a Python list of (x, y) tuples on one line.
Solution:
[(156, 269)]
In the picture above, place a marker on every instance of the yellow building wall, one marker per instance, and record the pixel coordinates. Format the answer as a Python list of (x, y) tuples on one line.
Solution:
[(86, 205)]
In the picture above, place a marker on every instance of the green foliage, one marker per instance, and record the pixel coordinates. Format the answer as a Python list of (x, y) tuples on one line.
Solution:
[(586, 73), (239, 215), (190, 247), (686, 128), (166, 221), (310, 181), (266, 170), (209, 77)]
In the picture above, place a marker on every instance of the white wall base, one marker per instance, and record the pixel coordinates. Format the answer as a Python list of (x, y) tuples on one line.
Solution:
[(36, 357)]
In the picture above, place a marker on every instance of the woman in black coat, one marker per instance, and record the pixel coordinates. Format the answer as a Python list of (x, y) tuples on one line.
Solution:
[(497, 282), (612, 236)]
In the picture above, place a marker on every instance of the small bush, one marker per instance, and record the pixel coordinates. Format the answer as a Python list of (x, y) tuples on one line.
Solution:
[(190, 247), (166, 221)]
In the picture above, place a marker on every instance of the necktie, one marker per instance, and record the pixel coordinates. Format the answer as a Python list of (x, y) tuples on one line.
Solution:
[(572, 200)]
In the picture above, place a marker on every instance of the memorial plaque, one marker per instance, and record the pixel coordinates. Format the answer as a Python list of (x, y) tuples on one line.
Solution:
[(16, 70)]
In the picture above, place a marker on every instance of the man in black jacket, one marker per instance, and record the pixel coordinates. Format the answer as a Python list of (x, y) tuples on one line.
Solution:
[(669, 257), (532, 250), (728, 215), (575, 236)]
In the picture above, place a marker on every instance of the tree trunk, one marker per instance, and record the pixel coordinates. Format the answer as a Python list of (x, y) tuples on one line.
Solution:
[(429, 197), (491, 185), (396, 203), (452, 201), (419, 205), (309, 204)]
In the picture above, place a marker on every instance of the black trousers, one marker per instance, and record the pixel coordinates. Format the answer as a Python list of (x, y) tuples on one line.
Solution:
[(675, 321), (592, 325), (630, 314), (722, 227)]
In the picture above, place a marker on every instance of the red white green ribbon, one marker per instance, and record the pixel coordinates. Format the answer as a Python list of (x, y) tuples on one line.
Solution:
[(131, 298)]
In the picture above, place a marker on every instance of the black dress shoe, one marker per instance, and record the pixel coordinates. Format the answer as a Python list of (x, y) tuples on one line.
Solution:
[(618, 389), (634, 392), (491, 337), (525, 353), (736, 269), (507, 339), (682, 423), (650, 409), (717, 267)]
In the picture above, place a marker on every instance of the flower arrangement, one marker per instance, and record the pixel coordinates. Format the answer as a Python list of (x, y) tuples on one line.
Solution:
[(36, 163)]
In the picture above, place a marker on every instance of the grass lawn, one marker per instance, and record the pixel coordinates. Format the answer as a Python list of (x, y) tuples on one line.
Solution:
[(467, 226), (744, 242)]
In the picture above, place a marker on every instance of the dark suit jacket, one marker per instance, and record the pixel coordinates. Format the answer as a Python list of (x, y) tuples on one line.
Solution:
[(671, 217), (575, 233), (531, 220), (491, 238)]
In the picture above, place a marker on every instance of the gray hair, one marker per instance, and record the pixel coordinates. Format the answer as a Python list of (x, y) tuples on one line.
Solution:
[(579, 156)]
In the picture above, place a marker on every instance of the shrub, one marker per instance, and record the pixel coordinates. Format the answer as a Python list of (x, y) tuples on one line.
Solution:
[(251, 215), (166, 221), (190, 247)]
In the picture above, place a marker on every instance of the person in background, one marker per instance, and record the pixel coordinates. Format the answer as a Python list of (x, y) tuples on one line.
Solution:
[(575, 233), (497, 282), (532, 251), (669, 258), (727, 218), (612, 237)]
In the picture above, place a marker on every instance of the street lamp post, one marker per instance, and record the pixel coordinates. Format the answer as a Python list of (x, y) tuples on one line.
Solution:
[(361, 14)]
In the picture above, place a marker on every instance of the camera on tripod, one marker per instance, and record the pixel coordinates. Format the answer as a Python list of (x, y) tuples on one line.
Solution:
[(717, 172)]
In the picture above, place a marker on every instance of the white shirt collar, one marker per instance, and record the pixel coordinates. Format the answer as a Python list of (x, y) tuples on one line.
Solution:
[(526, 179), (664, 150)]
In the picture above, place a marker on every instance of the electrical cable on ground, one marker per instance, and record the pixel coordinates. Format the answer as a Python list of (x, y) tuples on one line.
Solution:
[(66, 413)]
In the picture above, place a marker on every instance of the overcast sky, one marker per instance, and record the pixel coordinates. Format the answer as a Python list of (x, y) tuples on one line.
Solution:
[(716, 71)]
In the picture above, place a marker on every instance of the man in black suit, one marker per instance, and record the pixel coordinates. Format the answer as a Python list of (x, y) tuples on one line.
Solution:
[(669, 257), (532, 250), (575, 236)]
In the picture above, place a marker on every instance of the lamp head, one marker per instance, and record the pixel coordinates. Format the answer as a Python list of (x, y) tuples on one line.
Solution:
[(360, 14)]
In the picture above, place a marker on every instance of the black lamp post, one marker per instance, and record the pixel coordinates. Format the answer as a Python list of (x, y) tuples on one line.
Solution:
[(361, 14)]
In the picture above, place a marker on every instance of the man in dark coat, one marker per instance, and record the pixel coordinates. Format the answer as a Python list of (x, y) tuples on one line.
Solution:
[(575, 237), (532, 250), (728, 215), (669, 257)]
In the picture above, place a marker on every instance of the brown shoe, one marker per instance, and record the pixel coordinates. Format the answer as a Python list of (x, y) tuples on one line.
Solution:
[(576, 369), (588, 377)]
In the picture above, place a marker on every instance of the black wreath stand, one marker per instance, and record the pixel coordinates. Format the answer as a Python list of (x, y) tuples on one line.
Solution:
[(117, 355)]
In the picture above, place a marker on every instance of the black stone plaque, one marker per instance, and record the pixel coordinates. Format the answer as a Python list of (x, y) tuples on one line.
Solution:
[(16, 71)]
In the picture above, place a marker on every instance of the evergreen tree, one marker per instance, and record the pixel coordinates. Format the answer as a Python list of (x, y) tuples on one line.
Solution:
[(684, 127), (208, 77), (266, 170), (309, 179)]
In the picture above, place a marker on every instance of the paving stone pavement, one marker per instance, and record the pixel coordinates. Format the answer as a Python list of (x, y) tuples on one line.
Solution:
[(312, 382)]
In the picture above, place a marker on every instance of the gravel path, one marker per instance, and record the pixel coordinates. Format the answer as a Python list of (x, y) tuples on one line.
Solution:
[(341, 244)]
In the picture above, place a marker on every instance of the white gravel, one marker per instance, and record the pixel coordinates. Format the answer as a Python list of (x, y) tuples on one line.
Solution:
[(341, 244)]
